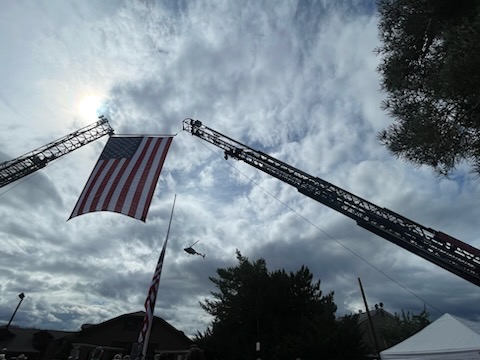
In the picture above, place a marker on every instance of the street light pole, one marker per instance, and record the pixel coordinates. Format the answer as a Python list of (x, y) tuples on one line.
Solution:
[(21, 296)]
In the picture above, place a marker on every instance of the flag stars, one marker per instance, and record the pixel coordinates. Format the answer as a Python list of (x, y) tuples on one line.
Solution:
[(119, 147)]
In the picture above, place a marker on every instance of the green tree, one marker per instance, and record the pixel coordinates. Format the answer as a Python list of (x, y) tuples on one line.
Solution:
[(406, 325), (285, 312), (430, 53)]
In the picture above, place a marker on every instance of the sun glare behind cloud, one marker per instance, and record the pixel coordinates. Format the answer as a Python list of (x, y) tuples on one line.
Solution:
[(89, 105)]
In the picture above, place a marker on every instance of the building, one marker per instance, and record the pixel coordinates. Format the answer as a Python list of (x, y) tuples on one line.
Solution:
[(115, 336), (380, 320), (30, 342)]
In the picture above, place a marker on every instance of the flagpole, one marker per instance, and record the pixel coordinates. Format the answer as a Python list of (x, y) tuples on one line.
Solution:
[(147, 337)]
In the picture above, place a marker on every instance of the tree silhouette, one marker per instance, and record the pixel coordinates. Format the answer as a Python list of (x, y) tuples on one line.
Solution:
[(285, 312), (430, 53)]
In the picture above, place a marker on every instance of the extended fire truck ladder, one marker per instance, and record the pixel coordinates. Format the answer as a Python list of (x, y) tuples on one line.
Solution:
[(437, 247), (24, 165)]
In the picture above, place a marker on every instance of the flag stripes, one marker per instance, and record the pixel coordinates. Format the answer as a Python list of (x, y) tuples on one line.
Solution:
[(152, 297), (125, 177)]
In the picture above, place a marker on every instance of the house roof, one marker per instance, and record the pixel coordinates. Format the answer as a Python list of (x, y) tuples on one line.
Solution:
[(17, 339), (139, 314), (363, 316)]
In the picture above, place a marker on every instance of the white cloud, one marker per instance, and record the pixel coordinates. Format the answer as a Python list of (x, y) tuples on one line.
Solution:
[(296, 81)]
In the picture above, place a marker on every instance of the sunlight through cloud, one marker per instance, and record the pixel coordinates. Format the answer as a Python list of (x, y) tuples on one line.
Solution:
[(89, 106)]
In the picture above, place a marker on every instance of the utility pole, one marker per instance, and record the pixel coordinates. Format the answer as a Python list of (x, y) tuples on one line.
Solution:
[(374, 335)]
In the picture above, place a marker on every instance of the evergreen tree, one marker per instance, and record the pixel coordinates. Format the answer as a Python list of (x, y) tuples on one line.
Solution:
[(285, 312), (430, 53)]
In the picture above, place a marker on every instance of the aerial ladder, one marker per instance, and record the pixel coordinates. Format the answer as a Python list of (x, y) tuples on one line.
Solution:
[(27, 164), (437, 247)]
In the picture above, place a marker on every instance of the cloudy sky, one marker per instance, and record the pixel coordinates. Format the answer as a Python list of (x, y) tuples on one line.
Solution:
[(296, 80)]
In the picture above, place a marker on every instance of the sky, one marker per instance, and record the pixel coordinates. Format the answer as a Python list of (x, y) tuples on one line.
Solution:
[(294, 79)]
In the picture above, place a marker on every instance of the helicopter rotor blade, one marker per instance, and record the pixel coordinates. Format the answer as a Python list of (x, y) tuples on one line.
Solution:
[(194, 243)]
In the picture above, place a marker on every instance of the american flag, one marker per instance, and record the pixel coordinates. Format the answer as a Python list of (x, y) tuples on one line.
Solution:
[(152, 298), (144, 335), (124, 177)]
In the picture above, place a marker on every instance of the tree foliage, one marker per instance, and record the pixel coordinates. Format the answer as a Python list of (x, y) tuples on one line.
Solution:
[(430, 53), (406, 325), (285, 312)]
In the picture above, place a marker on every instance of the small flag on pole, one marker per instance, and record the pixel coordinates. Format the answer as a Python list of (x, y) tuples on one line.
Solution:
[(151, 299), (144, 335), (125, 176)]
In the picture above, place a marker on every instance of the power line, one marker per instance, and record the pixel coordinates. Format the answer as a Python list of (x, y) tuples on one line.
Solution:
[(327, 234)]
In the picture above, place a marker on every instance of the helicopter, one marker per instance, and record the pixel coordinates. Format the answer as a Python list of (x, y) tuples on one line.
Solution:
[(192, 251)]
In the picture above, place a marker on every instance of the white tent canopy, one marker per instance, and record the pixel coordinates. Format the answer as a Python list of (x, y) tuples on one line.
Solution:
[(445, 338)]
